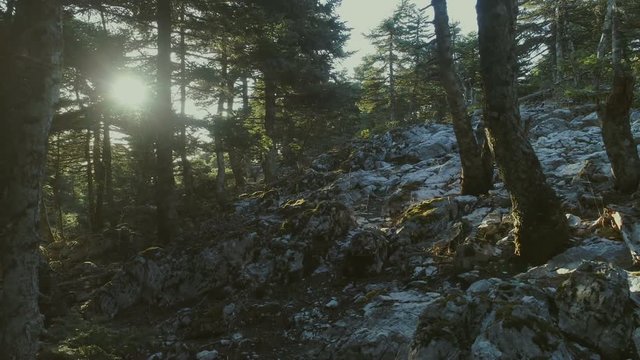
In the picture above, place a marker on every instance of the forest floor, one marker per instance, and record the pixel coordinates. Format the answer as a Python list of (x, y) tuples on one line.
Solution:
[(340, 260)]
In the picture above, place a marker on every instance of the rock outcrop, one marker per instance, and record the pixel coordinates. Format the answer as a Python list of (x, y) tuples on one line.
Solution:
[(371, 253)]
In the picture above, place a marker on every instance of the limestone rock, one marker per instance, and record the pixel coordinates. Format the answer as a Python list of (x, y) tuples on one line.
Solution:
[(386, 329), (626, 220), (582, 122), (495, 318), (592, 249), (548, 126), (160, 278), (594, 305), (429, 220), (207, 355), (564, 114), (365, 253)]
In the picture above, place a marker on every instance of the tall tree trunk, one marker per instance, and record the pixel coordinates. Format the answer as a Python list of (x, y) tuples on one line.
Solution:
[(560, 27), (605, 38), (393, 101), (616, 39), (606, 30), (231, 95), (146, 168), (219, 145), (246, 110), (217, 126), (45, 226), (98, 170), (289, 156), (237, 166), (236, 158), (187, 180), (540, 225), (416, 71), (30, 80), (87, 156), (89, 175), (616, 128), (108, 173), (270, 164), (57, 183), (164, 128), (475, 177), (616, 134)]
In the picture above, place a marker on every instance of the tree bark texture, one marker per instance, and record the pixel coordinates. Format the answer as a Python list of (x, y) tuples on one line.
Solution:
[(616, 38), (108, 173), (217, 126), (237, 160), (187, 181), (540, 225), (235, 155), (560, 34), (164, 128), (57, 184), (98, 170), (246, 109), (393, 101), (29, 89), (616, 134), (270, 163), (219, 147), (606, 30), (616, 128), (87, 156), (476, 179), (89, 175), (45, 226)]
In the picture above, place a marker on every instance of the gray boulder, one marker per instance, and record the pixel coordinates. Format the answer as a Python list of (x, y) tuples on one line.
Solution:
[(564, 114), (586, 121), (594, 306), (590, 314), (385, 330), (365, 253), (429, 221), (548, 126), (494, 319)]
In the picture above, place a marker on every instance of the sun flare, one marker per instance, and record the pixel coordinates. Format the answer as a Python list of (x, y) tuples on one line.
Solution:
[(129, 91)]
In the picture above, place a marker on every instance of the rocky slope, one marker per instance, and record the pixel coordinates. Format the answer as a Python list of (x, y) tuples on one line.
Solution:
[(372, 254)]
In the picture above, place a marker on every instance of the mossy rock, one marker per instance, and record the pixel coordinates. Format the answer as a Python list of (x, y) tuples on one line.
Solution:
[(265, 198), (73, 338), (327, 219), (430, 220), (292, 206), (365, 254), (423, 212)]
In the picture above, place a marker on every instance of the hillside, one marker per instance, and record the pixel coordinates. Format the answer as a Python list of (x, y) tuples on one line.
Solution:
[(369, 254)]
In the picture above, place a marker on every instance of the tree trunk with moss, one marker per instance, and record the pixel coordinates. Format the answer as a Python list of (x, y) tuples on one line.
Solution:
[(28, 91), (540, 224), (616, 128), (476, 176)]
